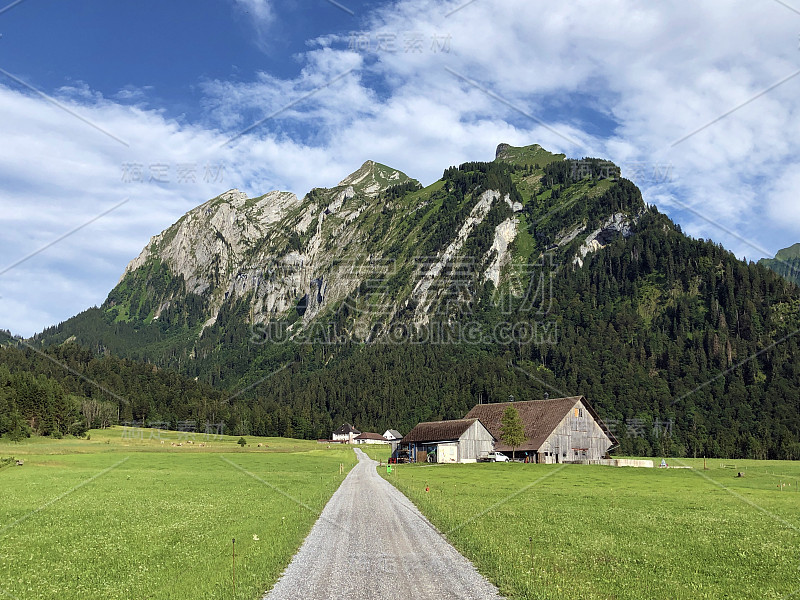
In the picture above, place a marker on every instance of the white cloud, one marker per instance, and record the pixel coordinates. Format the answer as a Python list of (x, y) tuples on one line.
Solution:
[(782, 198), (654, 73)]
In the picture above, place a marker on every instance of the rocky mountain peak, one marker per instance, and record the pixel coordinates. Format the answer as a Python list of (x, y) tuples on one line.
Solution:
[(371, 178), (526, 155)]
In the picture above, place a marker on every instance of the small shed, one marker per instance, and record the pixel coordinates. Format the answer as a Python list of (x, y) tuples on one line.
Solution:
[(459, 441)]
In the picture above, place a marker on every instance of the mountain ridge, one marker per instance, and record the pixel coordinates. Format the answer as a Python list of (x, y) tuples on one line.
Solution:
[(528, 274), (786, 263)]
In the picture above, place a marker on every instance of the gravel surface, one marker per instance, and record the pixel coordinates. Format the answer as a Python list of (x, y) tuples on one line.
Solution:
[(372, 542)]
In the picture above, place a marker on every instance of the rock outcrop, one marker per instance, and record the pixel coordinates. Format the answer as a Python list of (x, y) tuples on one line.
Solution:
[(234, 247), (504, 234), (616, 225)]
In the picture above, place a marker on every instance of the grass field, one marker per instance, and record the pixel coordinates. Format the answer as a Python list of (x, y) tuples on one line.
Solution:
[(116, 517), (574, 531), (377, 451), (128, 517)]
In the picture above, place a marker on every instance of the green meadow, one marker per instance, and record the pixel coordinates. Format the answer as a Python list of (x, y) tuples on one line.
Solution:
[(122, 516), (118, 516), (575, 531)]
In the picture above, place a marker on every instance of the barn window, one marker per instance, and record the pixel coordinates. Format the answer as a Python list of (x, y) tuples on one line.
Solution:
[(576, 411), (580, 412)]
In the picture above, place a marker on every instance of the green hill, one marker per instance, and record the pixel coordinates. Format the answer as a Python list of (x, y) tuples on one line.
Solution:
[(786, 263)]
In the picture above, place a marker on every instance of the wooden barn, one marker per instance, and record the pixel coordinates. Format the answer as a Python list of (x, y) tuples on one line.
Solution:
[(458, 441), (558, 431)]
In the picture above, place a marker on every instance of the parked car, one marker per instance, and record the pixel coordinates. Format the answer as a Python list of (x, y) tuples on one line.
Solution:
[(494, 457)]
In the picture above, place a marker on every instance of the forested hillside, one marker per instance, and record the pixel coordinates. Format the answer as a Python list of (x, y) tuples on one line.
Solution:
[(68, 390), (657, 329), (563, 282), (786, 263)]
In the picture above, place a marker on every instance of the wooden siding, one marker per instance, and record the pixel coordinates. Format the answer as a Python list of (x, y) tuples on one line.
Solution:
[(577, 438), (473, 442)]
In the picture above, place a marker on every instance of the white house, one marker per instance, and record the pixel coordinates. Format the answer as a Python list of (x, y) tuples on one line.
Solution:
[(392, 435), (345, 434)]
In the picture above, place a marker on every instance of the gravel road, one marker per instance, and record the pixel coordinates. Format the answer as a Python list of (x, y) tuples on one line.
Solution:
[(372, 543)]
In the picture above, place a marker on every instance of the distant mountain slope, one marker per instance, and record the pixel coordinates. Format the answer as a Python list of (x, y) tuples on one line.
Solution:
[(382, 303), (786, 263)]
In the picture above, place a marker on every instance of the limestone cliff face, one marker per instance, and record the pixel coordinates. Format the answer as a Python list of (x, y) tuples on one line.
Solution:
[(616, 225), (221, 230), (431, 277), (276, 250), (369, 252)]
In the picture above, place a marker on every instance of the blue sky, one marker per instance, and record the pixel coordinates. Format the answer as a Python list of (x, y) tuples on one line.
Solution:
[(124, 110), (166, 48)]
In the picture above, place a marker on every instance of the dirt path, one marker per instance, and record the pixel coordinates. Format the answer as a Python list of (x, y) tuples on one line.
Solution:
[(372, 543)]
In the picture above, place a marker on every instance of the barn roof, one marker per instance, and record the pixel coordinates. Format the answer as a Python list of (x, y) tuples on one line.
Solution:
[(438, 431), (346, 429), (539, 418), (370, 436)]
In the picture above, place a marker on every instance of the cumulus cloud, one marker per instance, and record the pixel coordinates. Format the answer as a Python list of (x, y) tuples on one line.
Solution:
[(684, 97)]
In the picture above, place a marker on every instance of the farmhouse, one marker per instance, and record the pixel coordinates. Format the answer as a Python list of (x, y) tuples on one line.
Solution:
[(345, 434), (370, 438), (557, 431), (457, 441), (392, 434)]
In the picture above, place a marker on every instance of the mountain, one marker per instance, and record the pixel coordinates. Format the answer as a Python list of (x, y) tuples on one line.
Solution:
[(383, 303), (374, 251), (272, 250), (786, 263)]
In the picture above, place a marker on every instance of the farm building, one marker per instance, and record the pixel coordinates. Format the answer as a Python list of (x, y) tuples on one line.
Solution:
[(557, 431), (370, 438), (392, 434), (345, 434), (457, 441)]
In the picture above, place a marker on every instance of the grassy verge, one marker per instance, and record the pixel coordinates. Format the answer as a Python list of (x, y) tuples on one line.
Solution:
[(555, 531), (379, 452), (116, 517)]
